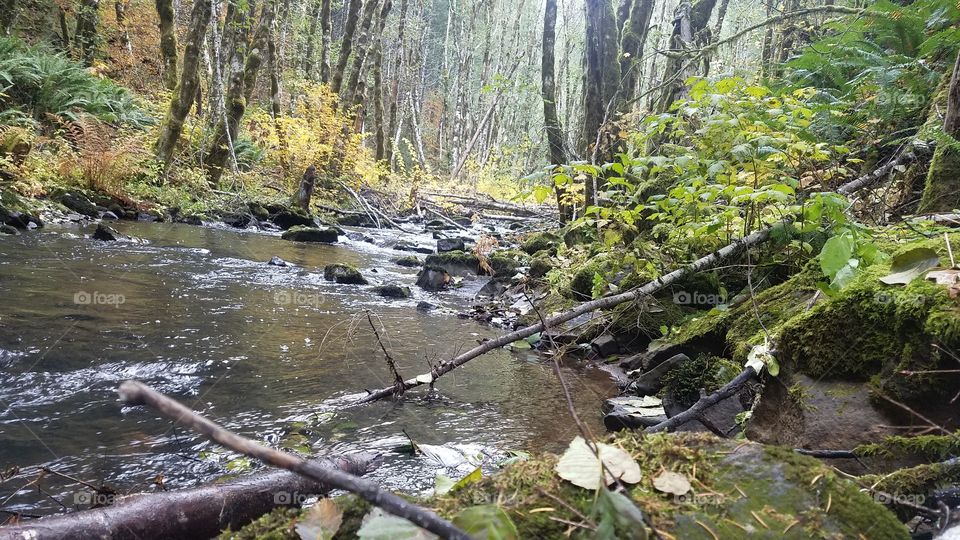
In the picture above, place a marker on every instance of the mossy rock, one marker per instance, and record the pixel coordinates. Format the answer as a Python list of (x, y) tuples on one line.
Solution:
[(300, 233), (581, 286), (540, 266), (392, 290), (455, 263), (344, 274), (409, 261), (576, 234), (506, 263), (543, 241)]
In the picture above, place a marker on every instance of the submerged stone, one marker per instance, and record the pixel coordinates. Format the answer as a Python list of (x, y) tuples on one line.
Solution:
[(299, 233)]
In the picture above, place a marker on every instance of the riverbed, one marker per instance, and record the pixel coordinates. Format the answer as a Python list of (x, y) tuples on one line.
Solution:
[(274, 353)]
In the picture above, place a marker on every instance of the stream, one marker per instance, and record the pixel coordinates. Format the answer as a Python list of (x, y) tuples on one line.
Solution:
[(273, 353)]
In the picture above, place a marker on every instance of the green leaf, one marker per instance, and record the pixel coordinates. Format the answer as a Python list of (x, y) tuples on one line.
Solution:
[(618, 517), (835, 254), (486, 522), (541, 193), (910, 265), (378, 525)]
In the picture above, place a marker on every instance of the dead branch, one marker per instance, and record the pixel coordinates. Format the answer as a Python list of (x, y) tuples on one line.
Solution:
[(705, 402), (135, 393), (909, 154)]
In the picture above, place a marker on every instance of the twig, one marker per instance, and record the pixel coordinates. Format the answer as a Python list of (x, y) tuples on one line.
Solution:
[(827, 454), (705, 402), (398, 380), (135, 393)]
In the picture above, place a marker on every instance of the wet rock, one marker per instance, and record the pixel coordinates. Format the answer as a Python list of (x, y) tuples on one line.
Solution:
[(494, 288), (455, 263), (310, 234), (540, 242), (107, 234), (19, 220), (539, 267), (439, 225), (116, 209), (425, 306), (626, 412), (78, 202), (287, 218), (239, 221), (650, 382), (343, 274), (392, 290), (405, 245), (433, 279), (409, 261), (276, 261), (7, 229), (191, 219), (605, 345), (356, 220), (360, 237), (109, 216), (258, 211), (450, 244)]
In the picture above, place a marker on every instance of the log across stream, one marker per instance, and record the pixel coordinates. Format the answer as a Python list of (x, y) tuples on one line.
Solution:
[(268, 351)]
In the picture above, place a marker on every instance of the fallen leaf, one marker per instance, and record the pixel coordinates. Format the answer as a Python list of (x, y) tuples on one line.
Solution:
[(321, 522), (910, 265), (486, 522), (672, 483), (580, 466), (378, 525)]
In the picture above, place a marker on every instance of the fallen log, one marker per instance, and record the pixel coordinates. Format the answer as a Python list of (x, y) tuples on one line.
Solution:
[(200, 512), (908, 155), (705, 402), (444, 218), (135, 393), (489, 205), (606, 302)]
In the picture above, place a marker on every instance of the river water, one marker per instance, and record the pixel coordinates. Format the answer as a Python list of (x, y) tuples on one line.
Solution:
[(274, 353)]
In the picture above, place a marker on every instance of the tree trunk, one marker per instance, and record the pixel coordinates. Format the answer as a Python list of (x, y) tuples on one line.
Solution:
[(555, 150), (311, 39), (275, 102), (362, 47), (120, 9), (168, 43), (325, 41), (601, 83), (380, 151), (8, 16), (690, 24), (88, 19), (353, 15), (201, 512), (631, 46), (187, 86), (942, 190), (305, 192), (243, 80), (397, 76)]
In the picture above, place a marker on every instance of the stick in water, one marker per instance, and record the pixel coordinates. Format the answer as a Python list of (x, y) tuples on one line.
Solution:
[(135, 393)]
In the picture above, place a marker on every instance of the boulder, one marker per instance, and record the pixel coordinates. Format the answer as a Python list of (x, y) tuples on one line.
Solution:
[(439, 225), (405, 245), (7, 229), (356, 220), (299, 233), (455, 263), (494, 288), (537, 242), (107, 234), (276, 261), (605, 345), (287, 218), (360, 237), (258, 211), (650, 382), (409, 261), (433, 279), (425, 306), (628, 412), (237, 220), (450, 244), (78, 202), (392, 290), (344, 274)]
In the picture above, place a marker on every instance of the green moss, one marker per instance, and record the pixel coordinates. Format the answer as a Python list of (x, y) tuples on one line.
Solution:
[(540, 266), (927, 447), (919, 480), (344, 274), (581, 285), (409, 261), (505, 263), (277, 525), (942, 190), (543, 241), (454, 262), (704, 371)]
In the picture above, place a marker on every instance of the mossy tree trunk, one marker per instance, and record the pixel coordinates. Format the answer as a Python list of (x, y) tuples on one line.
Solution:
[(942, 190), (243, 80), (690, 30), (120, 9), (361, 48), (85, 35), (187, 85), (632, 40), (601, 83), (548, 88), (391, 128), (308, 65), (8, 16), (353, 15), (168, 43)]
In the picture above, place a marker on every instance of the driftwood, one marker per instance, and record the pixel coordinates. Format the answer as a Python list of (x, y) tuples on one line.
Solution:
[(135, 393), (477, 202), (606, 302), (443, 218), (200, 512), (705, 402)]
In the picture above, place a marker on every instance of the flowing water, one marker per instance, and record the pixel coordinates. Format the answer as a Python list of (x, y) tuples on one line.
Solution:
[(274, 353)]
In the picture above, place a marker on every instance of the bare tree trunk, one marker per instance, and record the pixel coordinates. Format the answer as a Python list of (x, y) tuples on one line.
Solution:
[(88, 19), (120, 9), (377, 97), (168, 43), (397, 77), (311, 39), (325, 41), (361, 47), (942, 191), (602, 81), (187, 86), (353, 15), (555, 151), (275, 102), (690, 23), (306, 188), (632, 42)]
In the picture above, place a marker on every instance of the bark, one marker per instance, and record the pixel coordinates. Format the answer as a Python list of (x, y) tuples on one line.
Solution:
[(380, 151), (305, 192), (555, 151), (705, 402), (690, 27), (64, 30), (325, 31), (85, 35), (942, 190), (135, 393), (8, 16), (607, 302), (353, 15), (311, 40), (362, 47), (243, 80), (632, 43), (275, 102), (120, 9), (601, 82), (201, 512), (187, 86), (397, 76)]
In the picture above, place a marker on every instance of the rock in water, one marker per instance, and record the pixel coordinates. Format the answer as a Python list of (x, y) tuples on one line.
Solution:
[(345, 274), (605, 345), (109, 216), (276, 261), (286, 219), (450, 244), (107, 234), (425, 306), (433, 279), (409, 261), (78, 202), (6, 229), (300, 233), (392, 290), (239, 221)]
